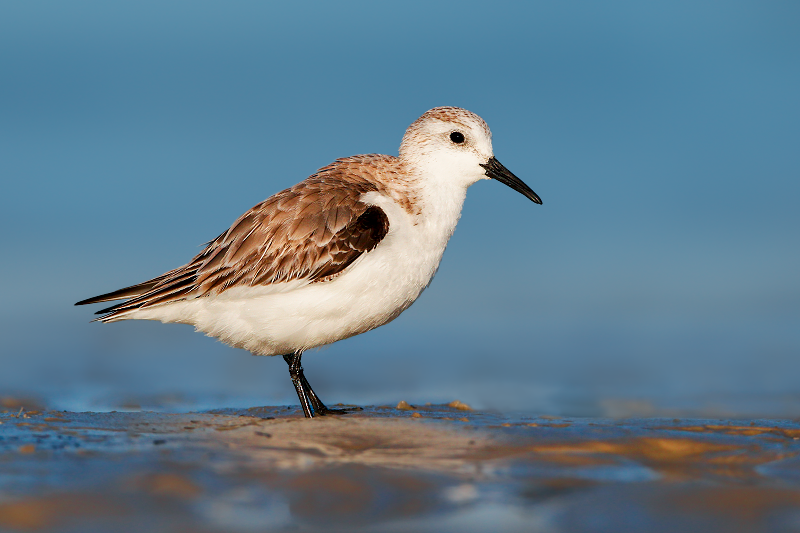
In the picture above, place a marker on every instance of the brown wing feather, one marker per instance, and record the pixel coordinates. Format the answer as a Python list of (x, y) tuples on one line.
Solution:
[(312, 231), (127, 292)]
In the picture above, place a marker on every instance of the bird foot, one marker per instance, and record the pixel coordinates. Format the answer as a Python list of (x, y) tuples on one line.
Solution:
[(324, 411), (327, 411)]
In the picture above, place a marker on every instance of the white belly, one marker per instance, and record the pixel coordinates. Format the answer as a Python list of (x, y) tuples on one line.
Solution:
[(283, 318)]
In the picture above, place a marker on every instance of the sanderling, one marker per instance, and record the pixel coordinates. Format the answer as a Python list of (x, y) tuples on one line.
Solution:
[(340, 253)]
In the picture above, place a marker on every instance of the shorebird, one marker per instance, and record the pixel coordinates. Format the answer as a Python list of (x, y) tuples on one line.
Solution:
[(342, 252)]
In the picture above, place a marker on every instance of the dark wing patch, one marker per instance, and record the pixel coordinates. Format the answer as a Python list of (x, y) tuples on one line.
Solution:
[(361, 236)]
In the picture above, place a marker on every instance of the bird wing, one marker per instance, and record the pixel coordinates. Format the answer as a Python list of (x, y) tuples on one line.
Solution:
[(312, 232)]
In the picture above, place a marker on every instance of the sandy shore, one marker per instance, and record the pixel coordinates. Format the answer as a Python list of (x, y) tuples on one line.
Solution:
[(427, 468)]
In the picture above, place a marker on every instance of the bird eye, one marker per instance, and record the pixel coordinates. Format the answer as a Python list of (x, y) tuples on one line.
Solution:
[(457, 137)]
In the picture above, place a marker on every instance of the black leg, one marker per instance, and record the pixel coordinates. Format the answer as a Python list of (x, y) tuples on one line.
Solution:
[(296, 373), (304, 391), (316, 403)]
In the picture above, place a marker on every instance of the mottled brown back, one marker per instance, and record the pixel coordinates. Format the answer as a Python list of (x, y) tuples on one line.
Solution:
[(311, 231)]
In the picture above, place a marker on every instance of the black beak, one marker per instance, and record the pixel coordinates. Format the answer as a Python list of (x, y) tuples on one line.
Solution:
[(495, 170)]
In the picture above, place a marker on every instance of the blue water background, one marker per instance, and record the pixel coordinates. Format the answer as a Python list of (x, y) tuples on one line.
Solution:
[(662, 270)]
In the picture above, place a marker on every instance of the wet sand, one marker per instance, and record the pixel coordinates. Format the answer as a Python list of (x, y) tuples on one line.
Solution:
[(425, 468)]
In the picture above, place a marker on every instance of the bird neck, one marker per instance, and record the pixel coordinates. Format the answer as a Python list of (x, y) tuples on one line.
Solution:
[(441, 201)]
